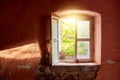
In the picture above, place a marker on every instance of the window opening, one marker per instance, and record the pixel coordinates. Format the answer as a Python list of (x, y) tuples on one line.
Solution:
[(73, 39)]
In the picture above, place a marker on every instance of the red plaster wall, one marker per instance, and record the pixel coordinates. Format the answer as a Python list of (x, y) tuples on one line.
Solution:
[(21, 21), (110, 12), (20, 63)]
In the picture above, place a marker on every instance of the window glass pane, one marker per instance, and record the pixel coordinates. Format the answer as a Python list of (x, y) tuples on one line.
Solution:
[(83, 30), (54, 40), (67, 41), (83, 50), (54, 29)]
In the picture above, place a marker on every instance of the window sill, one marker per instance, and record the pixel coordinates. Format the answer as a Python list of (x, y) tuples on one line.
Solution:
[(75, 64)]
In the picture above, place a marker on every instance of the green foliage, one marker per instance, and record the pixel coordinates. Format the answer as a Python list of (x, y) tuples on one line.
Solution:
[(82, 48), (68, 39)]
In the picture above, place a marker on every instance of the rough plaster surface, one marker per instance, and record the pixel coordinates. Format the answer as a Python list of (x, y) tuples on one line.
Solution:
[(20, 63), (49, 72), (20, 23)]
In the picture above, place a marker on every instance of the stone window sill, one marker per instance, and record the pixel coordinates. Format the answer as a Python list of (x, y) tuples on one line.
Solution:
[(75, 64)]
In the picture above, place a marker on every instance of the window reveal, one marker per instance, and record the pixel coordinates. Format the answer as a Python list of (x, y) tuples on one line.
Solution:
[(73, 39)]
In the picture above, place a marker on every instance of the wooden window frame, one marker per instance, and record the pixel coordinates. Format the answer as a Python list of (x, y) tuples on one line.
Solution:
[(90, 40)]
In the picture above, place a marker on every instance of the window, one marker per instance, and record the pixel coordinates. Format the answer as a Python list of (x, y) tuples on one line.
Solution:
[(75, 38)]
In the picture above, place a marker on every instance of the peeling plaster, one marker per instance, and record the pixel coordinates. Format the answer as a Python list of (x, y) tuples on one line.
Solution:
[(109, 61), (25, 66)]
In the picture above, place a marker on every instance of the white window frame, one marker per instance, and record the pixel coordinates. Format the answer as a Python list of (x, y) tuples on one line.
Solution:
[(96, 59)]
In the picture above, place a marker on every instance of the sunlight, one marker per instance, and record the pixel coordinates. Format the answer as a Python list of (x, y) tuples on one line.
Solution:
[(71, 12), (67, 31), (69, 25), (83, 30), (83, 23), (75, 31), (22, 52), (70, 20)]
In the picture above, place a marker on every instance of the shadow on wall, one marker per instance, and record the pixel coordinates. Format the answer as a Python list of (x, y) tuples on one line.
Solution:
[(20, 63)]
